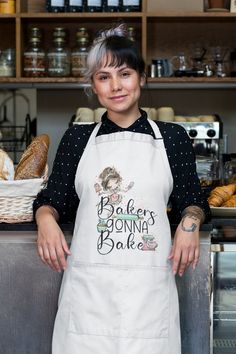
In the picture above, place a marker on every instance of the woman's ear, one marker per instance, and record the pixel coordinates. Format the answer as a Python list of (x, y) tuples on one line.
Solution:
[(93, 88), (143, 80)]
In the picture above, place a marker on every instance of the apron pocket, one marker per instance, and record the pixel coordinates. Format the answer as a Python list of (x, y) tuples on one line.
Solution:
[(95, 297), (146, 302), (123, 302)]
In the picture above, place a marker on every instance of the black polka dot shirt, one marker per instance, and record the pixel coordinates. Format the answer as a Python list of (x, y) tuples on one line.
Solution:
[(60, 192)]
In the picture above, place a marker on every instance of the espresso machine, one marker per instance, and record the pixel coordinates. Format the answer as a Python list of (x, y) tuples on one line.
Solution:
[(206, 137)]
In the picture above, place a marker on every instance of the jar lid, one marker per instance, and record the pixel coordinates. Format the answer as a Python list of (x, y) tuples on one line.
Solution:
[(34, 40), (59, 40), (81, 32), (82, 40), (35, 32), (59, 32)]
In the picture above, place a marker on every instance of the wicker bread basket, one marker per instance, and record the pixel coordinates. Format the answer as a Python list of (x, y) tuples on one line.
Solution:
[(16, 199)]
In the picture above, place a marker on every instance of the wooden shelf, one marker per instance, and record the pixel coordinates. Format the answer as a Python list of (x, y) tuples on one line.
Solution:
[(154, 33), (97, 15), (157, 83)]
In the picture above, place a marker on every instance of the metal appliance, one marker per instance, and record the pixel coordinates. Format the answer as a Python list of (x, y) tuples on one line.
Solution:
[(206, 138), (223, 300)]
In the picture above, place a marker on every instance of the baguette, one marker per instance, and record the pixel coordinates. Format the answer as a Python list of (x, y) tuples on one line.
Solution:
[(220, 195), (34, 159)]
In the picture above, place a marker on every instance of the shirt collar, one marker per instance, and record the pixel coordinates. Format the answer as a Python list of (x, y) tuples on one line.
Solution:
[(110, 126)]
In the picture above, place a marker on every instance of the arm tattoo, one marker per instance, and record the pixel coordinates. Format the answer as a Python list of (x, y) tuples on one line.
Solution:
[(192, 227), (192, 212)]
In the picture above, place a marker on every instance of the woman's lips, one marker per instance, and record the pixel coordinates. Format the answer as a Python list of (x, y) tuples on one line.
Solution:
[(118, 98)]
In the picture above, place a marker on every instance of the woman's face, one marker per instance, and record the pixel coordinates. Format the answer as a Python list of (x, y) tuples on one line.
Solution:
[(118, 88)]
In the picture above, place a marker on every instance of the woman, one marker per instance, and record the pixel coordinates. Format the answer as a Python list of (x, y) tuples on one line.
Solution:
[(118, 293)]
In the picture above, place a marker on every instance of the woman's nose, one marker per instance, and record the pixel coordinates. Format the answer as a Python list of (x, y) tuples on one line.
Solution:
[(116, 84)]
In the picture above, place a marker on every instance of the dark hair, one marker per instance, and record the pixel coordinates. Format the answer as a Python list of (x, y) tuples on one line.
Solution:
[(124, 51), (117, 49)]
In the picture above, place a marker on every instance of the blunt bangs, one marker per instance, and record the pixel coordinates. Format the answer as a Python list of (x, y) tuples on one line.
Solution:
[(114, 51)]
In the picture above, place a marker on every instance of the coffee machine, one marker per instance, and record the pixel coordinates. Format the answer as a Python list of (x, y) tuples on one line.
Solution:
[(206, 137)]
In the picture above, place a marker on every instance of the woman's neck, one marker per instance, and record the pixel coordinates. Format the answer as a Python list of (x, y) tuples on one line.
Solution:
[(124, 120)]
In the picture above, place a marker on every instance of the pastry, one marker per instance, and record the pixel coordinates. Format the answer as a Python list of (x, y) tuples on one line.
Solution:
[(231, 202), (6, 166), (219, 195), (34, 159)]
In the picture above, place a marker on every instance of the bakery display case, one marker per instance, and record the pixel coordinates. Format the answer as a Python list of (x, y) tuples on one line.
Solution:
[(223, 264)]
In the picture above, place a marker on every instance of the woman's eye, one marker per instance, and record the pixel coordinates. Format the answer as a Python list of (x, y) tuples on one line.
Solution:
[(125, 73), (102, 78)]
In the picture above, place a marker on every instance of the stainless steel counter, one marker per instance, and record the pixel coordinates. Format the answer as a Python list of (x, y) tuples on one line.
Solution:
[(29, 291)]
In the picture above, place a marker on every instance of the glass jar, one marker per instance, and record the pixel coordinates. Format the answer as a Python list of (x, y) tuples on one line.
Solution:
[(34, 59), (131, 5), (230, 169), (7, 62), (94, 5), (111, 5), (59, 59), (74, 5), (55, 5), (79, 57)]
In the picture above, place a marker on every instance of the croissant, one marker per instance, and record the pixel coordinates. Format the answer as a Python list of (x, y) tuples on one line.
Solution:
[(231, 202), (219, 195)]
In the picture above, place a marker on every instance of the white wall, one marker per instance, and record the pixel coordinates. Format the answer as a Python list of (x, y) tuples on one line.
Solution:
[(56, 107), (18, 103)]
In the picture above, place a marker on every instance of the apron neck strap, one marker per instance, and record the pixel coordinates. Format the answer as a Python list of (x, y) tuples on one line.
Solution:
[(155, 129)]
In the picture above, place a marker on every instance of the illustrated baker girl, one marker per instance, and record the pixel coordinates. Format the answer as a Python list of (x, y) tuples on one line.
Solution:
[(110, 184)]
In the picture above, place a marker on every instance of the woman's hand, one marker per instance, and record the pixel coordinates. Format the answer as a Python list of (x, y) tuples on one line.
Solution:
[(186, 249), (52, 246)]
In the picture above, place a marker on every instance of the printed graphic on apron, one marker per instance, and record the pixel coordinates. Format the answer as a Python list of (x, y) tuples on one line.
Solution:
[(119, 217)]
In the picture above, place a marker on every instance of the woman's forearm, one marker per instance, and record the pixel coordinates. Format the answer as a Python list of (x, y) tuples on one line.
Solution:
[(44, 212), (192, 218)]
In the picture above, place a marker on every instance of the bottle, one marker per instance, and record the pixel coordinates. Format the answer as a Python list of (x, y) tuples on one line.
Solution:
[(55, 5), (34, 59), (94, 6), (74, 5), (79, 57), (59, 59), (111, 5), (131, 5), (7, 62)]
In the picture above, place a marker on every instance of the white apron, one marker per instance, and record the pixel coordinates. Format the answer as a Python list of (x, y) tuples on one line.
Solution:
[(118, 294)]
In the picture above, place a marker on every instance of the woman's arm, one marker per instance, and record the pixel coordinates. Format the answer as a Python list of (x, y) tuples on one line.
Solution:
[(186, 250), (52, 246)]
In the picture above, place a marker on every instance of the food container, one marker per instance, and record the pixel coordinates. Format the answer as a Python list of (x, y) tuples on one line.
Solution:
[(16, 199), (173, 5)]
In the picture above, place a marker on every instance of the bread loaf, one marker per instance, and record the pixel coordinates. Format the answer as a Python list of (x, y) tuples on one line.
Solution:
[(219, 195), (230, 203), (6, 166), (33, 161)]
